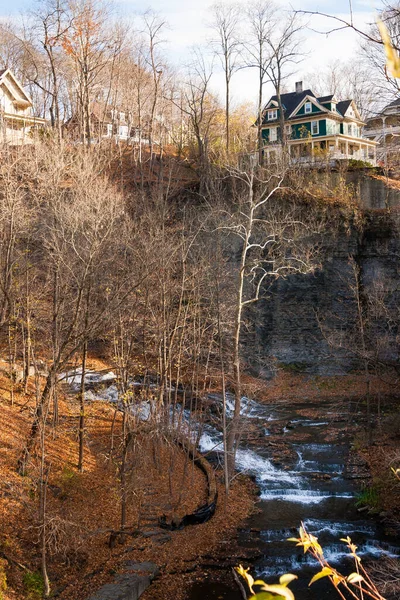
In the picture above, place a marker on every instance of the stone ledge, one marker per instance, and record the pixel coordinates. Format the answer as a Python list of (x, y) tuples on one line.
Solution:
[(130, 584)]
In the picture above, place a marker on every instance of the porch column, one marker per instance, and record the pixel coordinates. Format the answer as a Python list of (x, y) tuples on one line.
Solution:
[(384, 142), (312, 151), (347, 148)]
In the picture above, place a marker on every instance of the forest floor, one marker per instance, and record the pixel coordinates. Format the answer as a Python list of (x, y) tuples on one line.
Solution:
[(83, 508)]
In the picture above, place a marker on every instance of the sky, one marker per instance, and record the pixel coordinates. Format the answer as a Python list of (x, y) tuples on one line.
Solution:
[(187, 20)]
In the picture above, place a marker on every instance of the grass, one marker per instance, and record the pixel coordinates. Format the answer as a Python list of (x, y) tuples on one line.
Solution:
[(369, 497), (34, 585)]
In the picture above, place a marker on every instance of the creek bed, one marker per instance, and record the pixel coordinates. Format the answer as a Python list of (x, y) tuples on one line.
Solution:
[(298, 455), (311, 486)]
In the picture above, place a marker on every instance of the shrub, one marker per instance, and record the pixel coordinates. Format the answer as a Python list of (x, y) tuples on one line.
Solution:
[(355, 163), (34, 585)]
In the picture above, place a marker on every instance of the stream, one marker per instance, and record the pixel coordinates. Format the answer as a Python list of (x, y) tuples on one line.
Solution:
[(312, 485), (298, 454)]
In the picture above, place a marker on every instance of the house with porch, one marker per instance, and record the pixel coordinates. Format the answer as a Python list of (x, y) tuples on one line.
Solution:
[(317, 129), (109, 122), (17, 122), (384, 127)]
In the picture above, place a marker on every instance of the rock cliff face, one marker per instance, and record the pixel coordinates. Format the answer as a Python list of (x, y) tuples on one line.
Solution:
[(311, 323)]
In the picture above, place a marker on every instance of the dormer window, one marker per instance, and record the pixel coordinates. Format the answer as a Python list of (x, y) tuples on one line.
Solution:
[(272, 114), (307, 107)]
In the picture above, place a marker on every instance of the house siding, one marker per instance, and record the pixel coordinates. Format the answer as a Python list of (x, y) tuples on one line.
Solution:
[(266, 134), (314, 110), (303, 130)]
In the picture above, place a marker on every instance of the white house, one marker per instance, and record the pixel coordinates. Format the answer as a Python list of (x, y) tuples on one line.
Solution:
[(16, 115)]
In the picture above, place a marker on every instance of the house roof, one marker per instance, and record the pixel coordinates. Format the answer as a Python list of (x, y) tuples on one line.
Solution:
[(393, 108), (14, 88), (292, 100), (326, 98), (343, 106), (393, 104)]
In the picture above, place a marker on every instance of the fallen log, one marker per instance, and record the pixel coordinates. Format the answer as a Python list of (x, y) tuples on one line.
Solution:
[(204, 512)]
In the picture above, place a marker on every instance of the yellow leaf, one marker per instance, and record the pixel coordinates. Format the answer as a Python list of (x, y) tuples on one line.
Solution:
[(336, 578), (325, 572), (287, 578), (280, 590), (392, 58), (243, 572), (346, 540), (355, 578)]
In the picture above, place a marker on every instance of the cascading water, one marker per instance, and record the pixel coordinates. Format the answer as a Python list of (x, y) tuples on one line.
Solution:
[(311, 488)]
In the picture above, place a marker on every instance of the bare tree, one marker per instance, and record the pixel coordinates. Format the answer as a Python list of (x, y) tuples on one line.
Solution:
[(285, 50), (154, 26), (351, 80), (226, 20), (372, 43), (274, 240), (76, 254), (261, 21), (90, 45), (200, 107), (51, 25)]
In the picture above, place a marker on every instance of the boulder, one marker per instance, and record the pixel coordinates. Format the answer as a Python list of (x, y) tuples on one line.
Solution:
[(129, 584)]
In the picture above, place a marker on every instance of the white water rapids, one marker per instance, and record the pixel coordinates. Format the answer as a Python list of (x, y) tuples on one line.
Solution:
[(312, 489)]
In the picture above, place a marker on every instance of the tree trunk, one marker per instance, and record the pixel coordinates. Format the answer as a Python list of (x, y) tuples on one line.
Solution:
[(82, 409), (40, 409)]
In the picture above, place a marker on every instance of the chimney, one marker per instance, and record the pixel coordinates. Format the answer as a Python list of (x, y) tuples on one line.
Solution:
[(299, 87)]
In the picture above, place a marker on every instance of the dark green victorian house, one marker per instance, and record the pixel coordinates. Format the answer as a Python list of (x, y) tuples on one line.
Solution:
[(316, 128)]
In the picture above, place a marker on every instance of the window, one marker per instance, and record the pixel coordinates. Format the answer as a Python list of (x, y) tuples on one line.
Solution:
[(273, 134), (314, 127), (272, 115), (288, 129), (307, 107), (122, 116), (123, 131), (109, 129), (330, 127)]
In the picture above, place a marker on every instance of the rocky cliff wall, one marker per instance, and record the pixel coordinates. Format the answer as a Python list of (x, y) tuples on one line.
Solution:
[(311, 322)]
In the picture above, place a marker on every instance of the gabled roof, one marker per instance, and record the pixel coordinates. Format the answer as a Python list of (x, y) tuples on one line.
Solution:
[(290, 101), (21, 96), (309, 98), (293, 101), (343, 106)]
